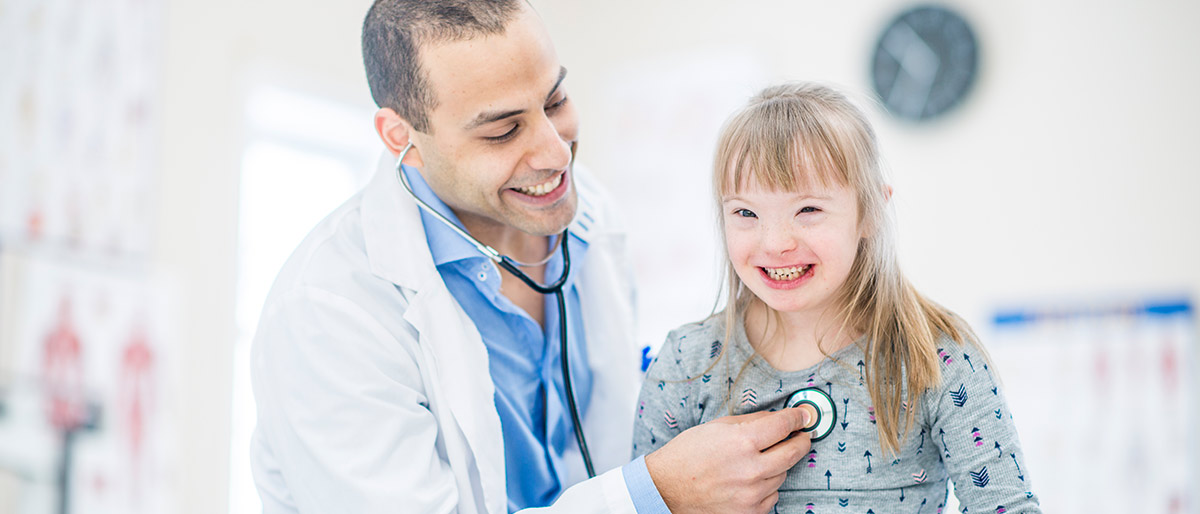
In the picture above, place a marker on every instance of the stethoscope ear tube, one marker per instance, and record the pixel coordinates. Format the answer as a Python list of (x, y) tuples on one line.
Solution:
[(555, 288)]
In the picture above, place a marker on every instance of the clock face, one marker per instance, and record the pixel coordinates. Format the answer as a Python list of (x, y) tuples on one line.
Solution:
[(925, 63)]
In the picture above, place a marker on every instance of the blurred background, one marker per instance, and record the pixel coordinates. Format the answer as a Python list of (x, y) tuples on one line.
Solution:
[(160, 158)]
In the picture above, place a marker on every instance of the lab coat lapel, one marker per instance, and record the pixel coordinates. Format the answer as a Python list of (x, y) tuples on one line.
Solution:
[(398, 252)]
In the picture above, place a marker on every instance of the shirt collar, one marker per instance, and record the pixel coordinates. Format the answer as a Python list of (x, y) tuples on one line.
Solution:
[(445, 245)]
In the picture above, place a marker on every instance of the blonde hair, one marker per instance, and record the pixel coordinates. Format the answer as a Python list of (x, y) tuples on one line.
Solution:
[(790, 136)]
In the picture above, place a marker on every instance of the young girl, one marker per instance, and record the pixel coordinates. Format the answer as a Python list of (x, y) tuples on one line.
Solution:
[(816, 301)]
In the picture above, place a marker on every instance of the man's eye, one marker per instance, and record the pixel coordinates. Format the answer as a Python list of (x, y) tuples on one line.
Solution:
[(745, 213), (554, 106), (503, 137)]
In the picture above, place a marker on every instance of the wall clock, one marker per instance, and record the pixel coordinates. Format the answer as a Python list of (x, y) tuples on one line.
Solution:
[(925, 62)]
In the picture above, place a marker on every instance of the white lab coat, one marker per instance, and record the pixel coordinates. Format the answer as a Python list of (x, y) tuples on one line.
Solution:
[(372, 383)]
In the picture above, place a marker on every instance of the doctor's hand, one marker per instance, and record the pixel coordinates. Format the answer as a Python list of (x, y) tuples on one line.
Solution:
[(731, 464)]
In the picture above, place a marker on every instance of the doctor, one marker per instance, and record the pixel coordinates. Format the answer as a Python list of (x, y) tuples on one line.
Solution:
[(396, 369)]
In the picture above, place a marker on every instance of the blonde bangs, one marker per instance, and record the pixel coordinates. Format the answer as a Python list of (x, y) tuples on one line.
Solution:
[(778, 145)]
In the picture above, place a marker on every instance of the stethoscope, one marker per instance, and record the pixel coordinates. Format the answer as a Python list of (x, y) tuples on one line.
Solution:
[(822, 413), (510, 265)]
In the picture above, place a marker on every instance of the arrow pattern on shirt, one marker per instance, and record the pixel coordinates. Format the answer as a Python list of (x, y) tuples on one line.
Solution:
[(1020, 475), (920, 472), (749, 397), (960, 396), (980, 478)]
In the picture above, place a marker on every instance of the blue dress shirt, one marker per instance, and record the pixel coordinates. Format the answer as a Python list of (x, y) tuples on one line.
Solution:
[(524, 361)]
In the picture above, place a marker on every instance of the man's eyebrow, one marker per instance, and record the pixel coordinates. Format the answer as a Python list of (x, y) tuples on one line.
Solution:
[(491, 116), (562, 74)]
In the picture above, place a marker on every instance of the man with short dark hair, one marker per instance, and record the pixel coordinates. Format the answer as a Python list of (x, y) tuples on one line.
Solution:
[(398, 369)]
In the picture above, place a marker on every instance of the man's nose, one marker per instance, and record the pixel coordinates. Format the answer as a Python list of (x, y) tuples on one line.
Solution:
[(549, 151)]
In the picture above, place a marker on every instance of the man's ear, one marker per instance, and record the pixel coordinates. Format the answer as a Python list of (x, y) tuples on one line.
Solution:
[(396, 133)]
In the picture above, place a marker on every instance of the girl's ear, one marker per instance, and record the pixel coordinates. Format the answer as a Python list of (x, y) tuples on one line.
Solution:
[(396, 133), (867, 230)]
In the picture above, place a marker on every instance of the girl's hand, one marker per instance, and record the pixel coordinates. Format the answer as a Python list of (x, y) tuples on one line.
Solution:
[(732, 464)]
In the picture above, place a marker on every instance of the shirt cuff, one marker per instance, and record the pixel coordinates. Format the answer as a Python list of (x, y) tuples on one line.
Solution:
[(646, 499)]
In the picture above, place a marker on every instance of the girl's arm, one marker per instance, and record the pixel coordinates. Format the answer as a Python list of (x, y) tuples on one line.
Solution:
[(664, 404), (973, 428)]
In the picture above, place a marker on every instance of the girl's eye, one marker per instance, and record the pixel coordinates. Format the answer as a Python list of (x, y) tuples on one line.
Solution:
[(806, 210), (745, 213), (505, 136)]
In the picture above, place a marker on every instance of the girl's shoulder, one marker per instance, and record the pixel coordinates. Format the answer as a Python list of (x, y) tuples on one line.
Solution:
[(691, 348)]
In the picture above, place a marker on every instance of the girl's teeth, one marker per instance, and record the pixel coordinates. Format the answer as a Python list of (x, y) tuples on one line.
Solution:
[(542, 189), (784, 274)]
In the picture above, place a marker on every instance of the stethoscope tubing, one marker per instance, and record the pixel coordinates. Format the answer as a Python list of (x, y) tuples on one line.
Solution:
[(555, 288)]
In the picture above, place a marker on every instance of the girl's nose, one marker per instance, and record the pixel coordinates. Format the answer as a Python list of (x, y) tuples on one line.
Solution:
[(779, 238)]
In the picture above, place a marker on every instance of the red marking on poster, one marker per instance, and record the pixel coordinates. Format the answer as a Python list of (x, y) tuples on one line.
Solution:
[(1170, 366), (136, 388), (62, 369), (137, 364)]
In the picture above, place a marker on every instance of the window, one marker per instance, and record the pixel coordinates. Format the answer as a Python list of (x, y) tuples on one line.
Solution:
[(303, 157)]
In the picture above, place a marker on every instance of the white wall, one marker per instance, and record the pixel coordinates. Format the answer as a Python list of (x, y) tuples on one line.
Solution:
[(1067, 171), (216, 51)]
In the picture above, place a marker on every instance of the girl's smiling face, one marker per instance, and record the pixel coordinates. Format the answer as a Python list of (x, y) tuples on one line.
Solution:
[(793, 249)]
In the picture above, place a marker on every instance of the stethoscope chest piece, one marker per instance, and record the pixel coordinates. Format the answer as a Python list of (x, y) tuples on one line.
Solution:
[(820, 406)]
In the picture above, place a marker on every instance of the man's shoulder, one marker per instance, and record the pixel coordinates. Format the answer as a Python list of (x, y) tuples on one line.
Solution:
[(332, 257)]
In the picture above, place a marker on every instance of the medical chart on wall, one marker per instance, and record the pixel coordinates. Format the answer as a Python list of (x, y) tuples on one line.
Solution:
[(78, 111), (1104, 398), (92, 354), (83, 345)]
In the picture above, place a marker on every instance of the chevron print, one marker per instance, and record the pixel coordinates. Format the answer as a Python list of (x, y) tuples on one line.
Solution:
[(670, 419), (946, 358), (843, 502), (980, 478), (749, 397), (959, 396), (714, 350), (919, 477)]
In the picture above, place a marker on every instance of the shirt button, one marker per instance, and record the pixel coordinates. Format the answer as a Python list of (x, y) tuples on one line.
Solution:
[(482, 276)]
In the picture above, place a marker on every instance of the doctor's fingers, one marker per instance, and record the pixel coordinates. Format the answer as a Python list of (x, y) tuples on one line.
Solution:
[(785, 454), (768, 503), (769, 430), (770, 487)]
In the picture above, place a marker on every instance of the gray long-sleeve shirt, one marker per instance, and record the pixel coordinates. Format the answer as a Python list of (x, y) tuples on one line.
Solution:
[(964, 431)]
